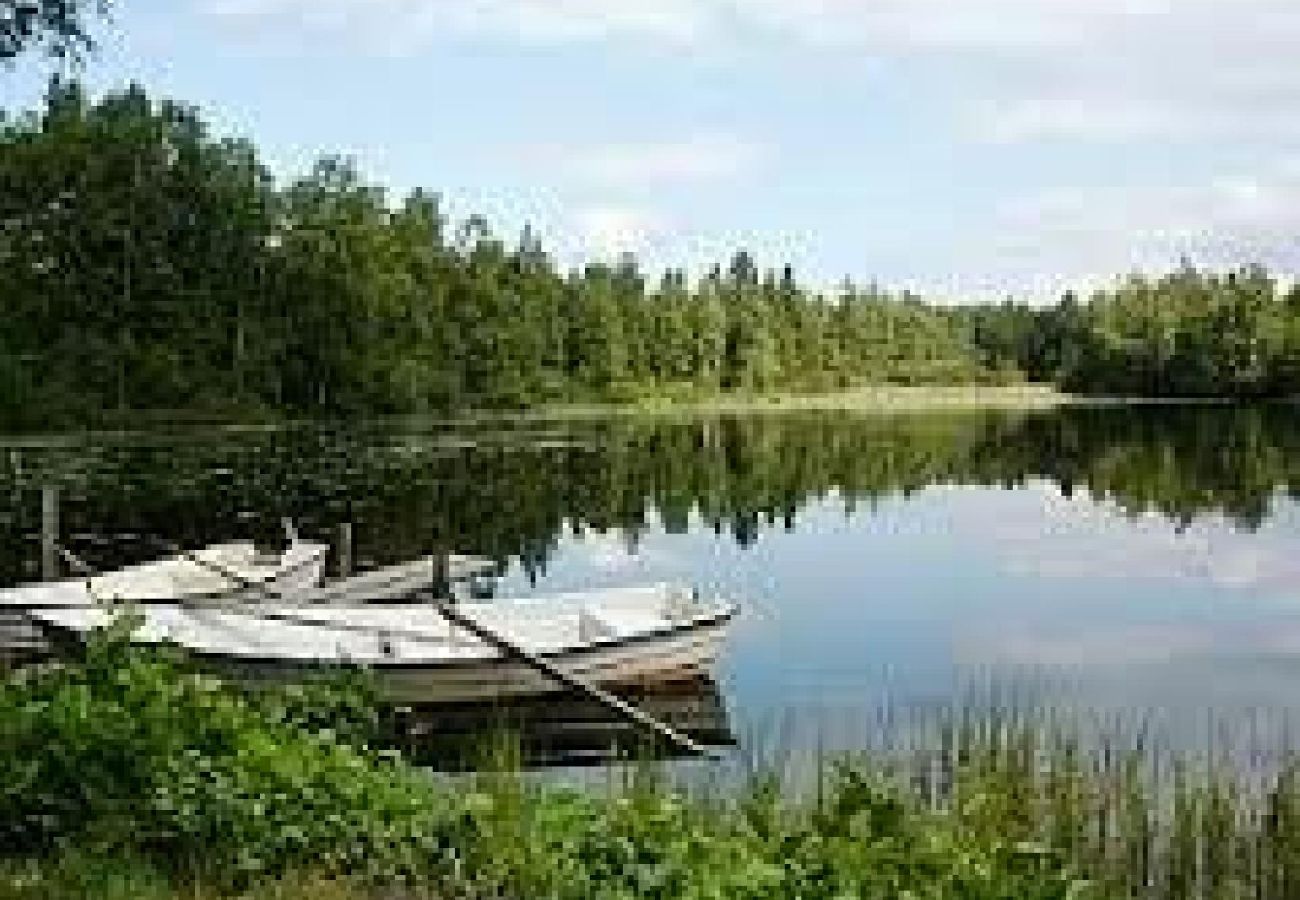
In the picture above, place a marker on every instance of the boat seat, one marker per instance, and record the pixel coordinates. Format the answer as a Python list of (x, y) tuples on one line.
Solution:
[(681, 605), (592, 627)]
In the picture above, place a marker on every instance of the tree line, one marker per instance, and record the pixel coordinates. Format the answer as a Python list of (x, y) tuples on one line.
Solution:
[(146, 263), (1188, 333)]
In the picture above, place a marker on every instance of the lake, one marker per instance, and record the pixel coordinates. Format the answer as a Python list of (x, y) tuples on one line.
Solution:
[(1135, 558)]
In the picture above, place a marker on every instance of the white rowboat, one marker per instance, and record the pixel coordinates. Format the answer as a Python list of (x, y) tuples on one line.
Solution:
[(622, 636), (226, 572)]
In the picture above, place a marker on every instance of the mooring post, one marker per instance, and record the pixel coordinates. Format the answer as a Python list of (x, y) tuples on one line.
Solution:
[(345, 550), (50, 532), (442, 573)]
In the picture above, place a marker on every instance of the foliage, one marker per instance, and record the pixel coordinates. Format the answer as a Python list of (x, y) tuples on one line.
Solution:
[(1190, 334), (125, 773), (153, 781), (128, 752), (150, 265), (1186, 334), (61, 26), (77, 875), (867, 837)]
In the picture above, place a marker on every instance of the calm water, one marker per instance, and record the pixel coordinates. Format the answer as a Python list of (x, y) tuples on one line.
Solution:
[(1140, 558)]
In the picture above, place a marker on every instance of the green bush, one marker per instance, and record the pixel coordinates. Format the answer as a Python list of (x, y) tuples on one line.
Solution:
[(128, 751), (866, 838), (128, 773)]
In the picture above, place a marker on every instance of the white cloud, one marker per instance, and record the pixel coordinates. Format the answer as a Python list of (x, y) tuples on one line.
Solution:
[(607, 230), (904, 25), (1088, 235), (1039, 532), (405, 25), (706, 156), (576, 229), (1100, 70), (1195, 76), (982, 26), (1012, 69), (677, 21)]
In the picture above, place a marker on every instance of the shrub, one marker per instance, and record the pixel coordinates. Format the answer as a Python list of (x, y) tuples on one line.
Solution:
[(129, 751)]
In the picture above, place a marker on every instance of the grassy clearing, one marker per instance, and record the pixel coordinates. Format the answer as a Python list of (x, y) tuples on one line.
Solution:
[(873, 398), (127, 775)]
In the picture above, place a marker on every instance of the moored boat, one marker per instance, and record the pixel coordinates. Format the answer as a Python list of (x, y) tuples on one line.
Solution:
[(622, 636), (221, 572)]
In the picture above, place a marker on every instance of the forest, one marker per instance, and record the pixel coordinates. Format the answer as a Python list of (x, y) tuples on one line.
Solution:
[(1188, 333), (149, 264)]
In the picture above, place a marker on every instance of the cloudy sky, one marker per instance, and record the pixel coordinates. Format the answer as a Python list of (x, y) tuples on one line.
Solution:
[(963, 147)]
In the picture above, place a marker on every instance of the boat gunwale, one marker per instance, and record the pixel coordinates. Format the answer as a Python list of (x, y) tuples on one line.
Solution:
[(10, 598), (728, 612)]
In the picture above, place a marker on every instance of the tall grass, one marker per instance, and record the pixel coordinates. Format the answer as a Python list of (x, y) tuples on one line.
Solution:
[(128, 775), (1133, 810)]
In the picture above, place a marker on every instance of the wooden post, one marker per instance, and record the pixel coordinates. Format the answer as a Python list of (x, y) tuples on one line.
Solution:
[(442, 574), (345, 550), (50, 532)]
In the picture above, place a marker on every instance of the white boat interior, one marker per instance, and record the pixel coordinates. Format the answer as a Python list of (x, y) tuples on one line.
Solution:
[(412, 634), (219, 569)]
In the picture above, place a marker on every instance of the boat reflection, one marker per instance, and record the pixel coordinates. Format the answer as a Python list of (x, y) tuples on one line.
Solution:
[(557, 730)]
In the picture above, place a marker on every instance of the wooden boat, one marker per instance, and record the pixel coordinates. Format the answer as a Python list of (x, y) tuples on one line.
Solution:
[(22, 640), (623, 636), (400, 581), (221, 572)]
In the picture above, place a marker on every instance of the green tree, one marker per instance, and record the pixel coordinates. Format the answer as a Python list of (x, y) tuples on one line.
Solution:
[(127, 237), (60, 27)]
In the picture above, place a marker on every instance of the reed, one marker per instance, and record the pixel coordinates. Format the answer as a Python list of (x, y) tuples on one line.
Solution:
[(1120, 796), (125, 775)]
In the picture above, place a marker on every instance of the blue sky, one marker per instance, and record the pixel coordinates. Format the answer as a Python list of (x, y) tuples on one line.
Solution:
[(966, 148)]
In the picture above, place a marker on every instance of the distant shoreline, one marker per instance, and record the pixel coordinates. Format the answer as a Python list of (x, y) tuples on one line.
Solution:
[(882, 398), (869, 399)]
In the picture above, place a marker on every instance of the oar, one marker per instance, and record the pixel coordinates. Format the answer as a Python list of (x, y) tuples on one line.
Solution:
[(617, 705), (76, 561)]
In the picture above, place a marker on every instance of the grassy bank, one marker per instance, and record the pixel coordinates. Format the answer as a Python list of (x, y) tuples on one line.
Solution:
[(882, 398), (126, 775), (873, 398)]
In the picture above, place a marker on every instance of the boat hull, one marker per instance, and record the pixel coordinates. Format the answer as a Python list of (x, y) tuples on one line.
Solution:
[(621, 636), (685, 654), (681, 656)]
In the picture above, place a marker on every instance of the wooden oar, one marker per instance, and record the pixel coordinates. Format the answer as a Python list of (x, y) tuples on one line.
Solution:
[(617, 705), (76, 561), (233, 577)]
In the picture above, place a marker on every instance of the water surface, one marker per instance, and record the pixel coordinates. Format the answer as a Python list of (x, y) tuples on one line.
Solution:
[(1146, 558)]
